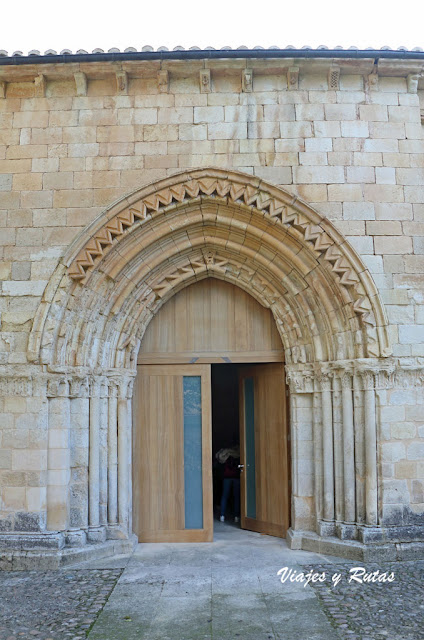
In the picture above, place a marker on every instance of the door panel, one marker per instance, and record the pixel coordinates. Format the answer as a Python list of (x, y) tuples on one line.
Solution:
[(263, 449), (172, 479)]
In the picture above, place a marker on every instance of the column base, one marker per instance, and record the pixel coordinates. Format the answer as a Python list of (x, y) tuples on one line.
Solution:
[(44, 559), (96, 534), (76, 538), (116, 532), (386, 550), (346, 531), (326, 528)]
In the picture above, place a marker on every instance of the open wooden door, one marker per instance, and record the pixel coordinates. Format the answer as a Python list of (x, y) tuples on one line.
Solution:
[(263, 449), (172, 468)]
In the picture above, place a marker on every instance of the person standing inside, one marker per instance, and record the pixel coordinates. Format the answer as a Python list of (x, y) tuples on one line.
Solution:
[(230, 458)]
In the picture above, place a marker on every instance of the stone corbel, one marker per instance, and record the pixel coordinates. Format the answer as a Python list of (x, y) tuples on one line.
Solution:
[(412, 82), (3, 89), (293, 78), (334, 78), (80, 83), (247, 80), (40, 84), (122, 82), (373, 80), (205, 81), (163, 81)]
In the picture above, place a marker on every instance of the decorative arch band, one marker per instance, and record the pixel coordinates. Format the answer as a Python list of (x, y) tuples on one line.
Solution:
[(247, 231)]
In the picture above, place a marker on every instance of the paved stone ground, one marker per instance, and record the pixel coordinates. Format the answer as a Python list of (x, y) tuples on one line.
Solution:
[(226, 590), (52, 605), (374, 611)]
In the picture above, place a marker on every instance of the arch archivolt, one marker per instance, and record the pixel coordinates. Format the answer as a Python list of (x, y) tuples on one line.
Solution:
[(194, 225)]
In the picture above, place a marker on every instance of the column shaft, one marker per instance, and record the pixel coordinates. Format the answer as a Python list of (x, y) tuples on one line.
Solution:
[(113, 461), (58, 460), (327, 430), (370, 457), (318, 446), (348, 450), (94, 469), (123, 473)]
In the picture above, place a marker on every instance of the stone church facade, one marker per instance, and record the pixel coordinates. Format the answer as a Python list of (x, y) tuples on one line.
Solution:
[(297, 176)]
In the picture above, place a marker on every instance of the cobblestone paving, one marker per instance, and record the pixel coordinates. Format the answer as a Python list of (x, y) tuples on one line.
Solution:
[(374, 611), (53, 605)]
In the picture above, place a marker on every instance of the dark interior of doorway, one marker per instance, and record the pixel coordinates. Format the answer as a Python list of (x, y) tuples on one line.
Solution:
[(225, 427)]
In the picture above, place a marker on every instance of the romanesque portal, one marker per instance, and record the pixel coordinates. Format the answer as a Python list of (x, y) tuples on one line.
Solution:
[(132, 259)]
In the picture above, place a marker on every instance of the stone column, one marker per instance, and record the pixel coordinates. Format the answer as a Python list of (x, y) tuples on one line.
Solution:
[(124, 435), (338, 450), (303, 460), (103, 451), (358, 417), (371, 512), (95, 533), (58, 459), (318, 454), (79, 445), (327, 435), (129, 453), (112, 509), (348, 449)]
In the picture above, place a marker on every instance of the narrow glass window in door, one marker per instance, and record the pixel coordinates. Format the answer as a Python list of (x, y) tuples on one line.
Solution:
[(193, 490)]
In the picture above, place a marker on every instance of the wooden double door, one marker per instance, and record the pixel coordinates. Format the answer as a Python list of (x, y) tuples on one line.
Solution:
[(172, 456)]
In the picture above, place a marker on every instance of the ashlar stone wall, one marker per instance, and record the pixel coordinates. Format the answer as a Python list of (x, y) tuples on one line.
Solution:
[(345, 136)]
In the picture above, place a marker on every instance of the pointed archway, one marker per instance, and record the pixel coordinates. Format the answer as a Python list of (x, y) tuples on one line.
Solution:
[(125, 265)]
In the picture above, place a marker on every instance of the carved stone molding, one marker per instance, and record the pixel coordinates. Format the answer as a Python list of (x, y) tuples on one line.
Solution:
[(369, 373), (89, 386), (19, 386), (280, 207), (192, 225), (318, 232)]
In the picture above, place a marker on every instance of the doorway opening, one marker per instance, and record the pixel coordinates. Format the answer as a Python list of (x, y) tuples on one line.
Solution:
[(250, 446), (184, 415), (210, 377), (225, 442)]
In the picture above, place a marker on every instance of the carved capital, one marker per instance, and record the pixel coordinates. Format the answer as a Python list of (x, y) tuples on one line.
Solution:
[(368, 381), (79, 387), (300, 381), (58, 387), (346, 380)]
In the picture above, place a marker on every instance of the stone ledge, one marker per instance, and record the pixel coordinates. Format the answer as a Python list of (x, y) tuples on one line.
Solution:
[(353, 550), (23, 542), (48, 560)]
